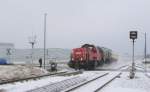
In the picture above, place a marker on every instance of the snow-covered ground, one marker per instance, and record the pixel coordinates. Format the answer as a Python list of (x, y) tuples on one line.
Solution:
[(91, 87), (123, 84), (29, 85), (11, 72)]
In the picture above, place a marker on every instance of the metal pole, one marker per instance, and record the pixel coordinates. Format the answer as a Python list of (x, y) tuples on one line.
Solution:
[(32, 52), (133, 55), (44, 37), (145, 49), (133, 36), (132, 72), (145, 53)]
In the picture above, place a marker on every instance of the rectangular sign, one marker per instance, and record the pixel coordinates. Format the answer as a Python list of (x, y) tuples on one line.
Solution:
[(133, 34)]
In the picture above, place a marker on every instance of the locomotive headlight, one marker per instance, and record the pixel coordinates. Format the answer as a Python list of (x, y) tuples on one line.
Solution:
[(72, 59)]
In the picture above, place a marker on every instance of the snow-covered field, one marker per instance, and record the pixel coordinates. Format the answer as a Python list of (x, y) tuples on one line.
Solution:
[(29, 85), (12, 72), (123, 84)]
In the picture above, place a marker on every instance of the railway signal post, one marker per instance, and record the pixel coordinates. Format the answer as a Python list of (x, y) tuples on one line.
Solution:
[(133, 36), (32, 41)]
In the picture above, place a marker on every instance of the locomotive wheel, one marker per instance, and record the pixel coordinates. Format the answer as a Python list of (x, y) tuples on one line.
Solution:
[(70, 64), (101, 62), (91, 65), (83, 66), (79, 66), (76, 65), (107, 61), (95, 64), (86, 66)]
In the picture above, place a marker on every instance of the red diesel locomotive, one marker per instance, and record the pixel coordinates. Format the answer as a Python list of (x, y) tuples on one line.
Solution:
[(89, 57)]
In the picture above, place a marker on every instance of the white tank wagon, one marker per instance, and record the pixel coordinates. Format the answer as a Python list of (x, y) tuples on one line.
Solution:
[(109, 55)]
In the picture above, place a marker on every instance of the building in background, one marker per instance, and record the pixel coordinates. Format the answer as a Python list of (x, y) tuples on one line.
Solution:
[(23, 56), (6, 51)]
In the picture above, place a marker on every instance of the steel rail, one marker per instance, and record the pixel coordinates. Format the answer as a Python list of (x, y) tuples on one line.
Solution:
[(98, 89), (82, 84), (32, 78), (70, 73)]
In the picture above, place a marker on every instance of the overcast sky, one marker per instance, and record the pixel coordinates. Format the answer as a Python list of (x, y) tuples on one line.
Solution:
[(71, 23)]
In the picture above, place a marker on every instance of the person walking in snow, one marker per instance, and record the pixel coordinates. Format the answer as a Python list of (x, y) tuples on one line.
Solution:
[(40, 62)]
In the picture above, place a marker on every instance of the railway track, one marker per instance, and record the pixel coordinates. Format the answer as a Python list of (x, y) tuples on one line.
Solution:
[(70, 73), (65, 73), (74, 88), (93, 84), (59, 86), (62, 85), (98, 89)]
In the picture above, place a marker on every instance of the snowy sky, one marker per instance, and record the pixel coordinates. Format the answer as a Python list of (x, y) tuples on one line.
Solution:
[(71, 23)]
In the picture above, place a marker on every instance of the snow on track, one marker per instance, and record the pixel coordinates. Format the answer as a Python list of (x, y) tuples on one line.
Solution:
[(57, 87), (64, 84), (33, 84), (91, 87)]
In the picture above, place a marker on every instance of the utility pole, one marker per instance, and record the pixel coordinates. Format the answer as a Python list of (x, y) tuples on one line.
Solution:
[(45, 15)]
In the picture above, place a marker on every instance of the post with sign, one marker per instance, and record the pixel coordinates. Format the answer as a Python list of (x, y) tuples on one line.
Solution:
[(133, 36)]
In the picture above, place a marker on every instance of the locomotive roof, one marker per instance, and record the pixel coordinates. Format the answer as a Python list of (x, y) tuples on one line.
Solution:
[(87, 45)]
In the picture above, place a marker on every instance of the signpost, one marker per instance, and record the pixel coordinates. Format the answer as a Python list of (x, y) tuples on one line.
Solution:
[(133, 36)]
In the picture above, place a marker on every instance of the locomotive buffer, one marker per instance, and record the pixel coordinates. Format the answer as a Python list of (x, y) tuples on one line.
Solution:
[(133, 36)]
